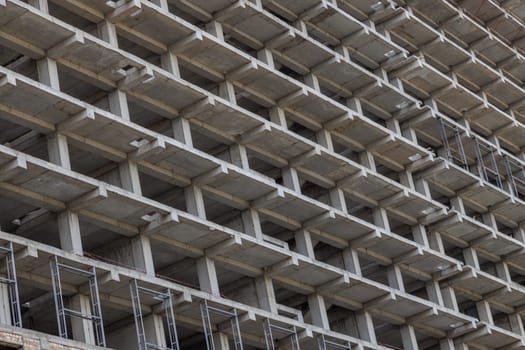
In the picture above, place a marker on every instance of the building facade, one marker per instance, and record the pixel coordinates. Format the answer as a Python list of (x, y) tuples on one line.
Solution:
[(262, 174)]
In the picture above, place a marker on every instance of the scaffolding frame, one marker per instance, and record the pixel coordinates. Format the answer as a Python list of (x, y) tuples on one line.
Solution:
[(325, 344), (290, 333), (516, 176), (11, 282), (456, 156), (167, 304), (206, 309), (488, 171), (62, 312)]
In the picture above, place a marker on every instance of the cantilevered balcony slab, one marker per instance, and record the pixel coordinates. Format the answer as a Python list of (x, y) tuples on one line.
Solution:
[(461, 228), (334, 227), (19, 19), (346, 77), (236, 182), (509, 209), (287, 209), (161, 91), (301, 274), (146, 19), (248, 24), (175, 156), (493, 337), (371, 189), (184, 232), (474, 284), (224, 116), (450, 178)]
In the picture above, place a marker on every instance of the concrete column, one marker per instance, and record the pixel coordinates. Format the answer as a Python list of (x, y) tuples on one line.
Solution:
[(266, 294), (69, 232), (380, 218), (519, 234), (324, 138), (395, 278), (420, 235), (42, 5), (337, 199), (108, 32), (291, 179), (484, 312), (182, 131), (129, 177), (456, 203), (406, 179), (195, 201), (154, 329), (303, 243), (351, 261), (220, 341), (215, 29), (278, 116), (68, 223), (471, 257), (118, 104), (58, 150), (170, 62), (5, 310), (142, 255), (266, 56), (239, 156), (503, 272), (516, 324), (408, 336), (207, 275), (421, 186), (82, 329), (227, 91), (48, 72), (435, 242), (318, 311), (446, 344), (449, 298), (365, 325), (434, 292), (252, 224), (367, 159)]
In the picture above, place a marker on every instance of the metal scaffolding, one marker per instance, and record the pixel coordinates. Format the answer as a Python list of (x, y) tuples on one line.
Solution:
[(12, 284), (291, 333), (452, 144), (169, 316), (62, 311), (516, 177), (206, 309), (325, 344), (488, 166)]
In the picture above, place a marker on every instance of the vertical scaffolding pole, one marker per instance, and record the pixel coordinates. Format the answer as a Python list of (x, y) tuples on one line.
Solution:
[(206, 309), (167, 304), (12, 284), (62, 312), (290, 333)]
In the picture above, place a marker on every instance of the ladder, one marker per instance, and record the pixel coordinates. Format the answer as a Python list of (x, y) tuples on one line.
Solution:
[(62, 312), (206, 309), (12, 285), (325, 344), (169, 315), (269, 329)]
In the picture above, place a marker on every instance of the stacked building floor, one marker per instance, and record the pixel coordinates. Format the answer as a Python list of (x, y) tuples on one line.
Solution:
[(262, 174)]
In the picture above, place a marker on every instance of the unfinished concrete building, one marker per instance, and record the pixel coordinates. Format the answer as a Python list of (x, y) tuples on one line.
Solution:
[(262, 174)]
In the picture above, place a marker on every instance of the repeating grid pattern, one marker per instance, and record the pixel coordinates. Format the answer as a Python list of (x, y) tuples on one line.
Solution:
[(323, 173)]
